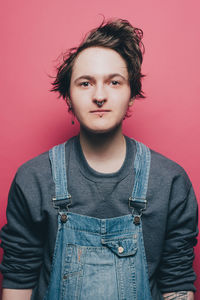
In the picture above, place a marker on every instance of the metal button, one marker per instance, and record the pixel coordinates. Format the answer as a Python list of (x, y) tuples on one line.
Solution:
[(120, 249), (63, 218), (137, 220)]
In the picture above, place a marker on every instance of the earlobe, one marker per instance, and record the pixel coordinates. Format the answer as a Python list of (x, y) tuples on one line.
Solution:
[(69, 103), (131, 101)]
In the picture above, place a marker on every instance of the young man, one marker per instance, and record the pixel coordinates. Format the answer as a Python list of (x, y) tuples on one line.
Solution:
[(101, 216)]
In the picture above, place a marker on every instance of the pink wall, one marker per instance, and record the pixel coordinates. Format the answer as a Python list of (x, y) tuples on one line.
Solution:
[(35, 32)]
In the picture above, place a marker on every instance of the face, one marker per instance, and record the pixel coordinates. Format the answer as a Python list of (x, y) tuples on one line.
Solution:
[(100, 75)]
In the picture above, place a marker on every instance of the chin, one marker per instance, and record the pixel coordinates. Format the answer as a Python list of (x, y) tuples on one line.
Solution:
[(102, 129)]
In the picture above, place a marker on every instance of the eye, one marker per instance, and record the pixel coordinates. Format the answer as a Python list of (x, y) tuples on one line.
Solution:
[(84, 83), (115, 82)]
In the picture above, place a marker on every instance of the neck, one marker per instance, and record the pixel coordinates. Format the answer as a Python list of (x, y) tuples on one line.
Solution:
[(105, 152)]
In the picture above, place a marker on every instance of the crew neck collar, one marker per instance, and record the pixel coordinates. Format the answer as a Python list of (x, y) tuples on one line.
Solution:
[(96, 176)]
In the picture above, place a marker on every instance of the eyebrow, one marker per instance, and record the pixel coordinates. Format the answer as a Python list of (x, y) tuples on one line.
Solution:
[(110, 76)]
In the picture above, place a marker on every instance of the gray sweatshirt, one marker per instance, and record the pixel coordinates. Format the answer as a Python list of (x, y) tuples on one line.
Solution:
[(169, 222)]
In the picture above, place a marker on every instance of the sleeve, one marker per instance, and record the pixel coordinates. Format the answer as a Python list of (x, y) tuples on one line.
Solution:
[(176, 272), (21, 242)]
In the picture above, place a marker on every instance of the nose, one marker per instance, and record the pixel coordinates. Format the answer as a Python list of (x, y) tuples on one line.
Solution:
[(99, 96), (99, 103)]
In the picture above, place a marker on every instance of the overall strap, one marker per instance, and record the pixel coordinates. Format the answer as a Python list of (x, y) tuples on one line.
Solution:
[(58, 166), (138, 201)]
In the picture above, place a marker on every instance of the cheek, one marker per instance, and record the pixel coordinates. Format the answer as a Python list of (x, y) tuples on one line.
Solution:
[(78, 107), (78, 101), (122, 104), (78, 95)]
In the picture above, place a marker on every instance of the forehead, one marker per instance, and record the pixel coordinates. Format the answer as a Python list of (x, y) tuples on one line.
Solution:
[(99, 61)]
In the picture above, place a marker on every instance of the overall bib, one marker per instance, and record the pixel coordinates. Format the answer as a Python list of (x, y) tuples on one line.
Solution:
[(99, 259)]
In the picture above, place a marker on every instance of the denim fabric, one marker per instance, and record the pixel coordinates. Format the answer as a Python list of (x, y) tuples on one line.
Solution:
[(99, 258)]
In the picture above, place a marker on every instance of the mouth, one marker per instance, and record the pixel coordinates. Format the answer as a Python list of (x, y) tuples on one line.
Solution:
[(99, 111)]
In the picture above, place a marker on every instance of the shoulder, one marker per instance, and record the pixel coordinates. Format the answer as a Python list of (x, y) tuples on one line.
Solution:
[(165, 171), (164, 167), (31, 179), (34, 169), (38, 169)]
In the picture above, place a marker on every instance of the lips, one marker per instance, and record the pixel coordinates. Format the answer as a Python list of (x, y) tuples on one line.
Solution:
[(100, 111)]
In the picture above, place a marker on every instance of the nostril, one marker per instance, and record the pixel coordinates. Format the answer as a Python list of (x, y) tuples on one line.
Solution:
[(99, 103)]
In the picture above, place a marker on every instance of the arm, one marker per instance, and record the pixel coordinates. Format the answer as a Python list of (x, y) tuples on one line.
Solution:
[(9, 294), (184, 295), (176, 274), (22, 243)]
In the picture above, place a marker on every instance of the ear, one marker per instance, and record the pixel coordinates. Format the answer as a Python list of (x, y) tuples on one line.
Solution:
[(131, 101), (69, 102)]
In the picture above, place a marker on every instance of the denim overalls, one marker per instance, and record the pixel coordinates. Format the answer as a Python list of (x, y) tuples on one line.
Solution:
[(99, 259)]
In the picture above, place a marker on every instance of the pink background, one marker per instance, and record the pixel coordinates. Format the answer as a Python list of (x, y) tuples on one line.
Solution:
[(35, 32)]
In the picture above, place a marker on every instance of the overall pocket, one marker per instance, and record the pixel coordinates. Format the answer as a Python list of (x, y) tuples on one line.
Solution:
[(122, 246), (72, 261), (72, 273)]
